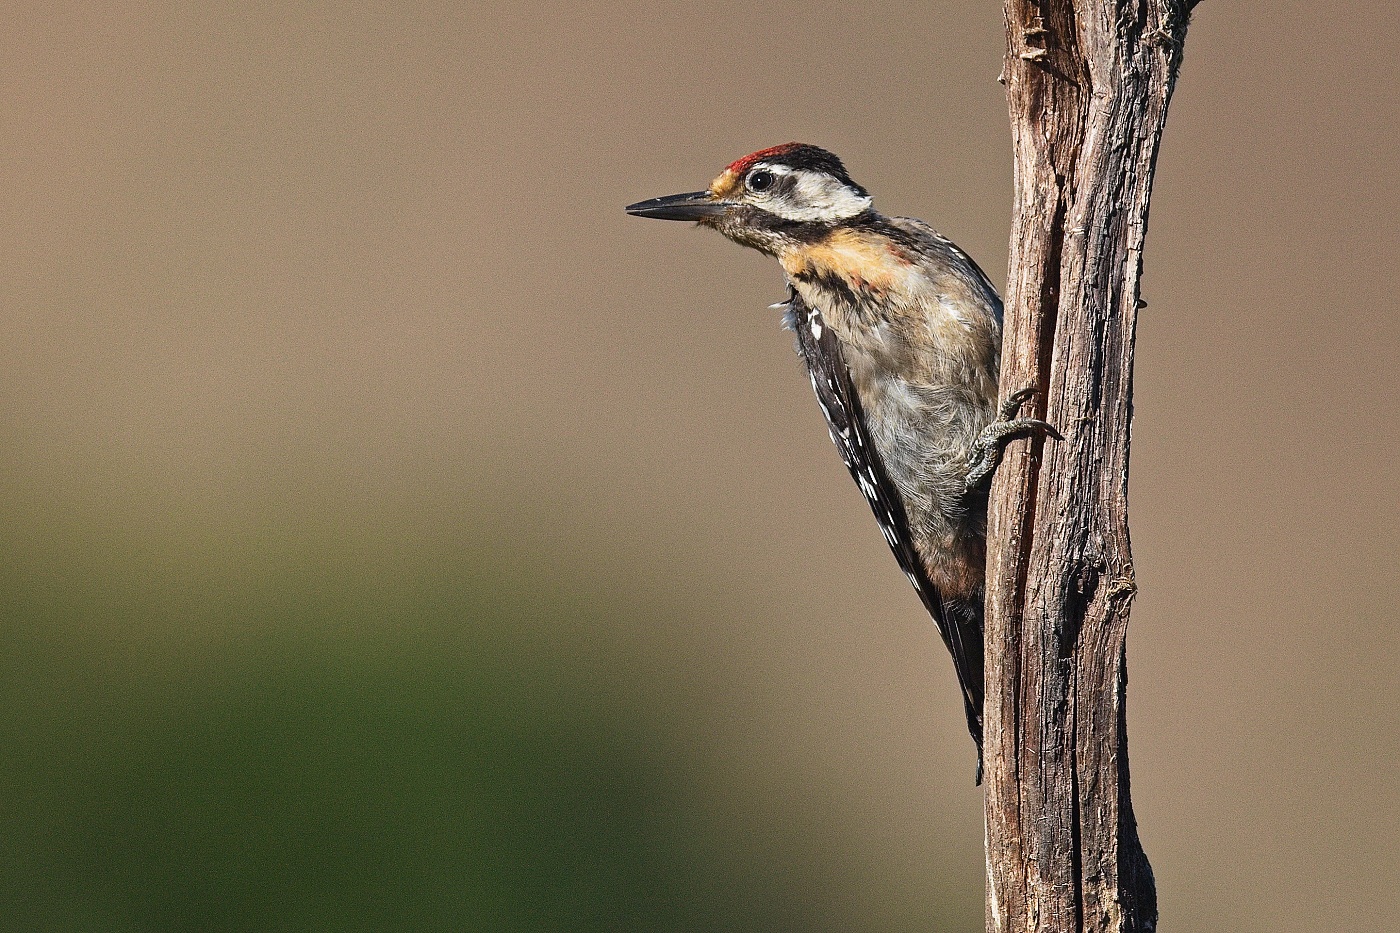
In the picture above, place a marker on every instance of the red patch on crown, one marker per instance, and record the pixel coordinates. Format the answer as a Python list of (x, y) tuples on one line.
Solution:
[(740, 166)]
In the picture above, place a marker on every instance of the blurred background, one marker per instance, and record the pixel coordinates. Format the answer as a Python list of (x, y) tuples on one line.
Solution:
[(396, 536)]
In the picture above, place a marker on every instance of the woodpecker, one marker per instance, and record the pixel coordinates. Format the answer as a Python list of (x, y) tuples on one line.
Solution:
[(900, 331)]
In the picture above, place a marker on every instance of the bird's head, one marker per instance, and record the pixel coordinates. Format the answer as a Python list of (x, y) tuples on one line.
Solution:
[(770, 199)]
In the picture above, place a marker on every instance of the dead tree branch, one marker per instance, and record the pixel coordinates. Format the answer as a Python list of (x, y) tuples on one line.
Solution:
[(1088, 84)]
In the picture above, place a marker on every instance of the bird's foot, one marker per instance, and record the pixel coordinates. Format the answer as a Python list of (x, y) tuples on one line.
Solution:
[(987, 449)]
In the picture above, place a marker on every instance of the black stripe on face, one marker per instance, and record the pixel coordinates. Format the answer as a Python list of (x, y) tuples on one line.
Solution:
[(753, 219), (805, 232), (815, 159)]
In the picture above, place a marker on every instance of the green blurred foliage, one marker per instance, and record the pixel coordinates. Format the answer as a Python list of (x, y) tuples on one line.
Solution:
[(288, 743)]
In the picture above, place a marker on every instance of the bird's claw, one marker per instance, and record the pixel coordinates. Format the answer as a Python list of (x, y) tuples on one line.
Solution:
[(1014, 402), (987, 449)]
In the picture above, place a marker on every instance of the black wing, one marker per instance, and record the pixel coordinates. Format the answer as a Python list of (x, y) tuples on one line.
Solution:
[(960, 625)]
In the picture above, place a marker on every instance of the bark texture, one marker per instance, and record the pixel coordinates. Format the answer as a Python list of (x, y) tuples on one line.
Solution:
[(1088, 83)]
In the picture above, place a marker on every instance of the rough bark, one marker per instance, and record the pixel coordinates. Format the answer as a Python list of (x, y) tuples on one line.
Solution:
[(1088, 83)]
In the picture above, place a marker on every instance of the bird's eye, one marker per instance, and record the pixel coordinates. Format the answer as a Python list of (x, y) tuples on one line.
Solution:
[(761, 181)]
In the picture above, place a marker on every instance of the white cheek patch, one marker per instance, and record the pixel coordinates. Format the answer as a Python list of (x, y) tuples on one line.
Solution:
[(815, 197)]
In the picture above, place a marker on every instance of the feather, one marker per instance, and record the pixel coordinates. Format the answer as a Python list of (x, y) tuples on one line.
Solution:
[(959, 623)]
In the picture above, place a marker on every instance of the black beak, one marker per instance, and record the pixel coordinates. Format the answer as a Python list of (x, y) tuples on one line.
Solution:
[(692, 206)]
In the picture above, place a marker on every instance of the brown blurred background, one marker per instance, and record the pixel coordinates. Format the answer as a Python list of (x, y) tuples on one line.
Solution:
[(399, 537)]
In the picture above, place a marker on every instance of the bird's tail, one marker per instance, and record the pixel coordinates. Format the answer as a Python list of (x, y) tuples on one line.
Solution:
[(963, 621)]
